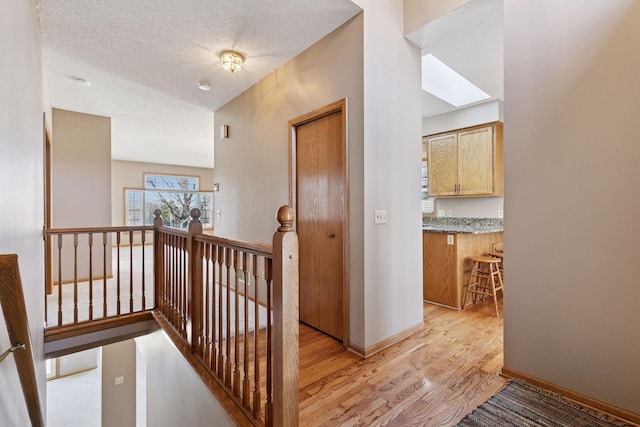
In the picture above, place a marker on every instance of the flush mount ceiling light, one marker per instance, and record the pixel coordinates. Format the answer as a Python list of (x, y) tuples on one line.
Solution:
[(443, 82), (231, 61), (204, 86)]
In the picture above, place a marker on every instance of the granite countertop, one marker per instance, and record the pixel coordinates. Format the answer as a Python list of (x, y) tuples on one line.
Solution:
[(462, 225)]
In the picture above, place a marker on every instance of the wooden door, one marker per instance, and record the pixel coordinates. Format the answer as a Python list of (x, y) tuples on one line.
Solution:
[(443, 166), (475, 161), (320, 215)]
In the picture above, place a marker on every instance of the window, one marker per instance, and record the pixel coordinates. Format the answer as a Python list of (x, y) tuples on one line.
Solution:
[(174, 195), (427, 202)]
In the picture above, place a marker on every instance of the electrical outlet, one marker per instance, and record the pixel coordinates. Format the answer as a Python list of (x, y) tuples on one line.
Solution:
[(449, 213), (119, 380), (380, 216), (218, 214), (450, 239), (500, 213), (442, 212)]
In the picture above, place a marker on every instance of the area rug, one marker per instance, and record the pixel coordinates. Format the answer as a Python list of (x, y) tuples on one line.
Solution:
[(522, 404)]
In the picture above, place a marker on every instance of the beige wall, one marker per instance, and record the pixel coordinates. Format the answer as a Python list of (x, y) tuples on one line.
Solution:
[(119, 401), (571, 200), (392, 295), (420, 12), (81, 176), (369, 62), (125, 174), (21, 216), (81, 185), (175, 394)]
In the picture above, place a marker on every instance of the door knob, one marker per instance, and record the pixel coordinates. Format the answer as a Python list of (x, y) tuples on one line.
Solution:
[(332, 235)]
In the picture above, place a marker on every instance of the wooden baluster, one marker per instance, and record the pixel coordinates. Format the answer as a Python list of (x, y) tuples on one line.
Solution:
[(47, 278), (256, 344), (268, 407), (104, 274), (236, 336), (246, 382), (186, 306), (215, 354), (143, 237), (59, 279), (173, 297), (221, 252), (194, 292), (118, 273), (130, 271), (285, 322), (228, 365), (206, 356), (158, 261), (75, 278), (90, 276)]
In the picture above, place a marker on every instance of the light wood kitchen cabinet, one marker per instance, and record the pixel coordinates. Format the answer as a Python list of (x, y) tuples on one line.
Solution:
[(466, 162)]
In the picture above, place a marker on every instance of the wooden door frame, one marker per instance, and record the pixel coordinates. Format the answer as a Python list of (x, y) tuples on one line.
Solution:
[(335, 107), (46, 172)]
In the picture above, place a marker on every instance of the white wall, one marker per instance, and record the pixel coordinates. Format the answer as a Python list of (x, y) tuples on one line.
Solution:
[(175, 394), (572, 98), (21, 197), (487, 112)]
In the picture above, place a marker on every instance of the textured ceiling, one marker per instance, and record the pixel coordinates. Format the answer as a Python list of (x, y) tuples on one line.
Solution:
[(469, 40), (145, 58)]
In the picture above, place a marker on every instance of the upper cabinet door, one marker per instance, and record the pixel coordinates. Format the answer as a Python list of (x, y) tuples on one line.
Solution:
[(476, 162), (466, 162), (442, 158)]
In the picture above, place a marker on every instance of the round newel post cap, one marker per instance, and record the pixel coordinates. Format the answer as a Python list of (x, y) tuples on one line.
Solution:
[(195, 214), (157, 213), (285, 218)]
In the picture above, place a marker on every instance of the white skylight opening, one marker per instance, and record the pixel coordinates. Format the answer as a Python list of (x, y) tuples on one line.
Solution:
[(443, 82)]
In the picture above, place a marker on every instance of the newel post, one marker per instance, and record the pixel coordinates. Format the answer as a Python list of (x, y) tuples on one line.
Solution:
[(285, 321), (158, 261), (194, 288)]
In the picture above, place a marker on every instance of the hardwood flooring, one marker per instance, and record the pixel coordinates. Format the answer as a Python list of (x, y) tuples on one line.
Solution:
[(433, 378)]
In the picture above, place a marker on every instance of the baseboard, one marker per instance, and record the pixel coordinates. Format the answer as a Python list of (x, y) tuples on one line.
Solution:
[(377, 348), (621, 414)]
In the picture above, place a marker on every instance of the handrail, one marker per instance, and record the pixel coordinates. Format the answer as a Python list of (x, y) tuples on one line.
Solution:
[(15, 315), (205, 282), (79, 230)]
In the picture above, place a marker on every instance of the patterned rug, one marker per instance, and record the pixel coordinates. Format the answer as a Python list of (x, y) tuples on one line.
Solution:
[(521, 404)]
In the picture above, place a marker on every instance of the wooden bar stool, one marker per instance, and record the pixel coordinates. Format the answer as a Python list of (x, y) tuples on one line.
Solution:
[(484, 280)]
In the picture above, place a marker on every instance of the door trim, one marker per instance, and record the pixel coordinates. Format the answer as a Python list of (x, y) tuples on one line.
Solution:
[(335, 107)]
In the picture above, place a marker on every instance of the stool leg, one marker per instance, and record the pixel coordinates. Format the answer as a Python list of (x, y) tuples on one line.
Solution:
[(472, 273), (493, 286)]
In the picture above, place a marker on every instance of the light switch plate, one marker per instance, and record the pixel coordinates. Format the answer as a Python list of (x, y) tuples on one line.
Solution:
[(450, 239), (449, 213), (119, 380), (380, 216), (500, 213)]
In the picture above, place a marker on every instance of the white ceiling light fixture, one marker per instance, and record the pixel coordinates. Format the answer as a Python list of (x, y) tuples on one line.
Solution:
[(204, 86), (442, 81), (231, 61)]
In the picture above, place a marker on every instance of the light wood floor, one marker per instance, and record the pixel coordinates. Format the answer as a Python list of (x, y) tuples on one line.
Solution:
[(433, 378)]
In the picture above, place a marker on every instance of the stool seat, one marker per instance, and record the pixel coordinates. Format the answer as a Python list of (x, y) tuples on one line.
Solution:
[(485, 279)]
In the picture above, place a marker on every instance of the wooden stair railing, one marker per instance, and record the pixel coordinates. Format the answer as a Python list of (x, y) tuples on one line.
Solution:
[(15, 315), (98, 273), (234, 307)]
